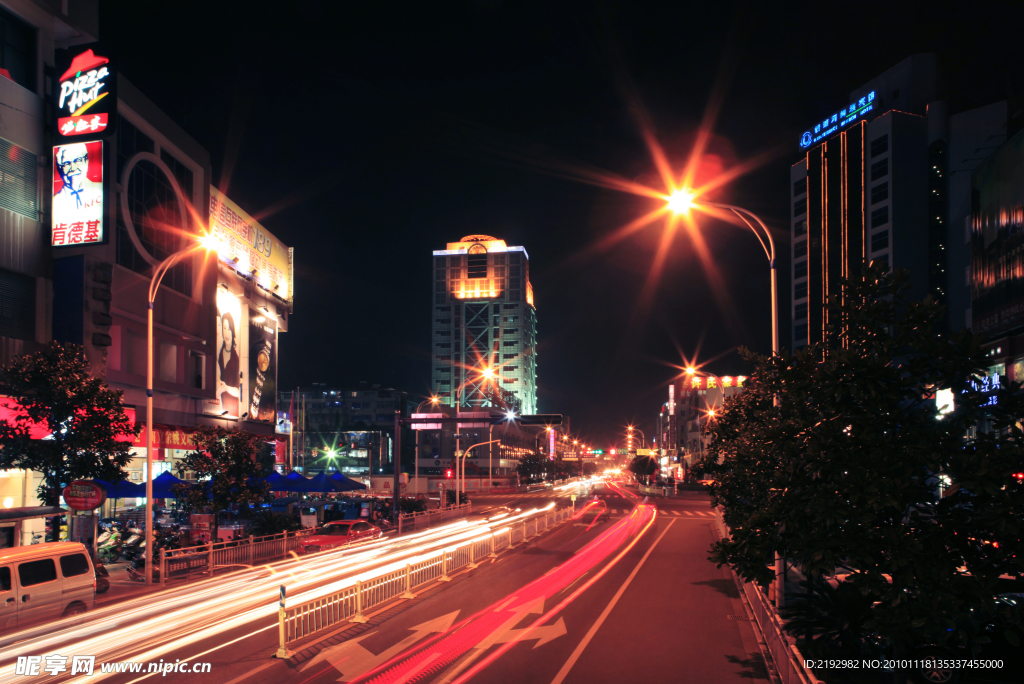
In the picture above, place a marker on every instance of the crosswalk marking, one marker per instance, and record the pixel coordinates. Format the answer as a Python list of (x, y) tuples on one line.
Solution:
[(689, 512), (675, 512)]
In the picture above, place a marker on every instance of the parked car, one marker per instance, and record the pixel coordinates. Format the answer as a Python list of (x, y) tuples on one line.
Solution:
[(339, 533), (44, 582)]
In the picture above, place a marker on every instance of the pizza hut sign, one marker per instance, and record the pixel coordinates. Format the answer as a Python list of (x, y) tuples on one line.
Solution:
[(84, 495)]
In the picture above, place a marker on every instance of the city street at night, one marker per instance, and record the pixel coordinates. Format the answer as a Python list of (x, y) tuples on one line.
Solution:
[(586, 342)]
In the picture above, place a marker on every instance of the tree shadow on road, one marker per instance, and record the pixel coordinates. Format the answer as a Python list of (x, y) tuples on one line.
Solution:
[(753, 667), (722, 586)]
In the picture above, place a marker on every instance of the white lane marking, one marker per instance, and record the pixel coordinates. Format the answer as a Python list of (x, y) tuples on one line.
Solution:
[(675, 512), (604, 614)]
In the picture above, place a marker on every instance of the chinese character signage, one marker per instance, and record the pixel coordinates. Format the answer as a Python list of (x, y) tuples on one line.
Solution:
[(85, 96), (707, 382), (840, 119), (77, 216), (262, 366), (249, 248)]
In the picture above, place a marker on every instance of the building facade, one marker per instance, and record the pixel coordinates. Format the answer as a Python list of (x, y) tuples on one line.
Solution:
[(887, 179), (90, 205), (484, 330), (345, 429)]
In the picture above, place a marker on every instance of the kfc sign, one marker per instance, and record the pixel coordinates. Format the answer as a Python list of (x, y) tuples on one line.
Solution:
[(77, 216), (86, 99)]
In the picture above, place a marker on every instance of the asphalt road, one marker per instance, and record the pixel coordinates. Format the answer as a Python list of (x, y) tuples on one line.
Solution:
[(619, 593), (659, 612)]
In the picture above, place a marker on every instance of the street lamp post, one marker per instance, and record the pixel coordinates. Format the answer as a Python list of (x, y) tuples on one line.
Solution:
[(680, 202), (154, 285), (458, 496)]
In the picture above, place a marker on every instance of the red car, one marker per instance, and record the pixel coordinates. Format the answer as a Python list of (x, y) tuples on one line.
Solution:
[(339, 533)]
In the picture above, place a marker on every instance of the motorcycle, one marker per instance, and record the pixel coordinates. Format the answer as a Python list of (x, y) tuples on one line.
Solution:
[(136, 569), (110, 550), (135, 543)]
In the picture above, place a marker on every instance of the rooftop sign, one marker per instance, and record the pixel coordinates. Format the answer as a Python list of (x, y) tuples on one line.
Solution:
[(840, 119)]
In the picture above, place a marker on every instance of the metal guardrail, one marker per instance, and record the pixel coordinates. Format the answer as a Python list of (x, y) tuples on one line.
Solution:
[(196, 560), (789, 662), (417, 521), (349, 604)]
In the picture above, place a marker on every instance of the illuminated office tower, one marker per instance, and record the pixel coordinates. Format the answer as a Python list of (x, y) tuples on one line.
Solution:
[(483, 335), (886, 178)]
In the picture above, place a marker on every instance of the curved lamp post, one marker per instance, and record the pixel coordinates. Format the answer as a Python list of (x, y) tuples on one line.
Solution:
[(208, 242), (680, 202)]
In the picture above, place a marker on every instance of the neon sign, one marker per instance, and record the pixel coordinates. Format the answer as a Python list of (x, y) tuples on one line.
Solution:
[(85, 96), (840, 119)]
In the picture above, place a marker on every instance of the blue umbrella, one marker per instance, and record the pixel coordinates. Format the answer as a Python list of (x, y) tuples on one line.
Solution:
[(163, 486), (321, 483), (123, 489), (278, 482), (346, 484)]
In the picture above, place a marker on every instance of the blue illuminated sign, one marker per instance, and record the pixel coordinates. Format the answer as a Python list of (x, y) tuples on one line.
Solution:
[(840, 119)]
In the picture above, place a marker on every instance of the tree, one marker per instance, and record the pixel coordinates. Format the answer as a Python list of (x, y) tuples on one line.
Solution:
[(265, 523), (643, 467), (845, 473), (86, 418), (228, 471), (531, 466)]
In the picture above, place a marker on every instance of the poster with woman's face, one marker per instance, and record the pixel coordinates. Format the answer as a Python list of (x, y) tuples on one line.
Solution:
[(227, 362)]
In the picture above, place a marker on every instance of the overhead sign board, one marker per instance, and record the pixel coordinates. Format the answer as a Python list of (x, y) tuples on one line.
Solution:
[(249, 248), (841, 119), (85, 98)]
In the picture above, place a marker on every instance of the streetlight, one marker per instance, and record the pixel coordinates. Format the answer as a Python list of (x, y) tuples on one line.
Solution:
[(680, 202), (211, 244), (458, 494)]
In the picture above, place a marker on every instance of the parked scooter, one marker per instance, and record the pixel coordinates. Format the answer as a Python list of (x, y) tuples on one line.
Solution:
[(134, 544), (137, 568), (110, 550)]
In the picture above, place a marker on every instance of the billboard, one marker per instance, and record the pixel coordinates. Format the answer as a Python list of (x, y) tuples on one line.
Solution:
[(249, 248), (262, 366), (85, 98), (228, 364), (77, 210), (997, 241)]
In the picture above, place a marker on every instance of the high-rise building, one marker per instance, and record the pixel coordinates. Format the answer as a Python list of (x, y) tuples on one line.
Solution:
[(887, 179), (484, 330)]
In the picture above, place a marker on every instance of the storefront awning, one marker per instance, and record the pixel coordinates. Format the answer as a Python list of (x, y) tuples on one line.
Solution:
[(29, 513)]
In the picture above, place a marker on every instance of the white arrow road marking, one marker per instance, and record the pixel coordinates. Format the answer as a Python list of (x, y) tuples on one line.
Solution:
[(353, 659), (506, 633)]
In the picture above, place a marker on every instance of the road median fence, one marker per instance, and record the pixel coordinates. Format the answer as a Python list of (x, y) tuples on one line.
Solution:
[(398, 582), (198, 560), (408, 522), (789, 662)]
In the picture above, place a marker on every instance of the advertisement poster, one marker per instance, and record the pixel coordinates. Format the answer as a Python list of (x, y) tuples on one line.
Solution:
[(262, 366), (77, 216), (227, 365), (248, 247)]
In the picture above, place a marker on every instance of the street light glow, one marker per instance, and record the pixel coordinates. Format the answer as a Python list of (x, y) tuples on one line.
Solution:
[(690, 370), (681, 201), (487, 373)]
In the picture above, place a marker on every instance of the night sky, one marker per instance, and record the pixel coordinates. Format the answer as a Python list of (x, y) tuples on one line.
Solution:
[(368, 136)]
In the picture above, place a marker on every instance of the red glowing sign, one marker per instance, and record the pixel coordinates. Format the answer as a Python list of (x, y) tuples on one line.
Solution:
[(84, 495), (77, 215), (85, 97)]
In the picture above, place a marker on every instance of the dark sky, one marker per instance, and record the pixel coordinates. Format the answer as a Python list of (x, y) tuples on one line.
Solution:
[(367, 135)]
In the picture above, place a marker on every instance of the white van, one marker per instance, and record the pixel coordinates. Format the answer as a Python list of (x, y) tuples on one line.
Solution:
[(43, 582)]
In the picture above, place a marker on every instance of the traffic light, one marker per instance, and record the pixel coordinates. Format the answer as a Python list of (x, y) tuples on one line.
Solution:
[(448, 474)]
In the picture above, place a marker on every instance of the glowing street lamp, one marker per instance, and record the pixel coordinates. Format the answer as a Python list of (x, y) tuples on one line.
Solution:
[(211, 244), (681, 201)]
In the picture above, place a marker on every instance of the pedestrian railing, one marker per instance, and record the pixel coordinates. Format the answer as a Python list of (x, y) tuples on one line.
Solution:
[(408, 522), (349, 604), (789, 662), (204, 559)]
